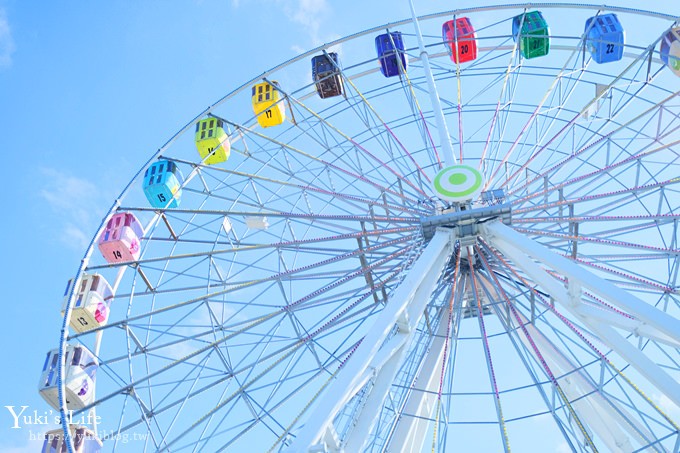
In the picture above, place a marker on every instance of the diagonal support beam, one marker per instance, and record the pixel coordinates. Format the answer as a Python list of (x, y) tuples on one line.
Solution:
[(415, 421), (444, 137), (518, 248), (376, 358), (503, 235), (609, 419)]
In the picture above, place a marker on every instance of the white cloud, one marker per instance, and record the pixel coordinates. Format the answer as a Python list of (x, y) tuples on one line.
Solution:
[(563, 448), (78, 206), (75, 237), (667, 406), (308, 13), (7, 46)]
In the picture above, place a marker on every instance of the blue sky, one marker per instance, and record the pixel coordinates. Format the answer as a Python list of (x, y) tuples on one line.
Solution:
[(88, 90)]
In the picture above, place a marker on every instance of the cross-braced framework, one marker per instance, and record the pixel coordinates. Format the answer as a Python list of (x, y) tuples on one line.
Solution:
[(312, 293)]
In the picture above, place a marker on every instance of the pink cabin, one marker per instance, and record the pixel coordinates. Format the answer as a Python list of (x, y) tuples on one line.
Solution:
[(120, 239)]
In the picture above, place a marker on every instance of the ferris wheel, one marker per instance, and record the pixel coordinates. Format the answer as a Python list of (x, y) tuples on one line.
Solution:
[(461, 234)]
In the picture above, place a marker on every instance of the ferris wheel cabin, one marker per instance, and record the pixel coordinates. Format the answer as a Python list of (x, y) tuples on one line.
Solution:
[(120, 239), (81, 369), (460, 39), (162, 184), (84, 441), (670, 50), (268, 104), (92, 302), (533, 34), (605, 38), (389, 46), (326, 75), (212, 141)]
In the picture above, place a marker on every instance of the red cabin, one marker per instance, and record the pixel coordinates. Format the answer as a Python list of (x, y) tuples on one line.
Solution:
[(460, 39)]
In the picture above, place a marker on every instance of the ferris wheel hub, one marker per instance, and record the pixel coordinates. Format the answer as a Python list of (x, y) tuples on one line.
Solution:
[(458, 183), (466, 221)]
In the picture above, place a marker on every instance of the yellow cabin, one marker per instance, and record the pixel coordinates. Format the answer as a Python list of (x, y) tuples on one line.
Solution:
[(268, 104), (211, 141)]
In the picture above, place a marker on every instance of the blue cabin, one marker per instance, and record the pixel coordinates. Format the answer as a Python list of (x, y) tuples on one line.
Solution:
[(605, 38), (670, 50), (162, 184), (385, 45)]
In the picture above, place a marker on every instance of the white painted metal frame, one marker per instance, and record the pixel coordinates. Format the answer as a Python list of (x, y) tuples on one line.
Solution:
[(655, 323), (379, 356), (410, 431), (444, 138)]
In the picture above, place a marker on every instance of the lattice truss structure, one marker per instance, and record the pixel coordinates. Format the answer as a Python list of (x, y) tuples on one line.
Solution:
[(312, 293)]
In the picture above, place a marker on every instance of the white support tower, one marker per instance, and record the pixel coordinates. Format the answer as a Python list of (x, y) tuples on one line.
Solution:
[(650, 320), (379, 356), (444, 138)]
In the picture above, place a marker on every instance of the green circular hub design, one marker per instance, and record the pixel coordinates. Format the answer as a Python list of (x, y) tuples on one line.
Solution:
[(457, 178), (458, 183)]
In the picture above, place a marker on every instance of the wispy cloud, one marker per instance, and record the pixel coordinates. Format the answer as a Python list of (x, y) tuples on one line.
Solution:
[(200, 323), (310, 14), (7, 46), (667, 406), (563, 448), (78, 206)]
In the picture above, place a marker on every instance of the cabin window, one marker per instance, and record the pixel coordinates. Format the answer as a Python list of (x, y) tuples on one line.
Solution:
[(160, 168), (95, 283), (76, 356), (47, 360), (106, 293), (210, 133), (90, 368), (212, 123), (79, 437), (68, 285), (91, 444), (53, 366)]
